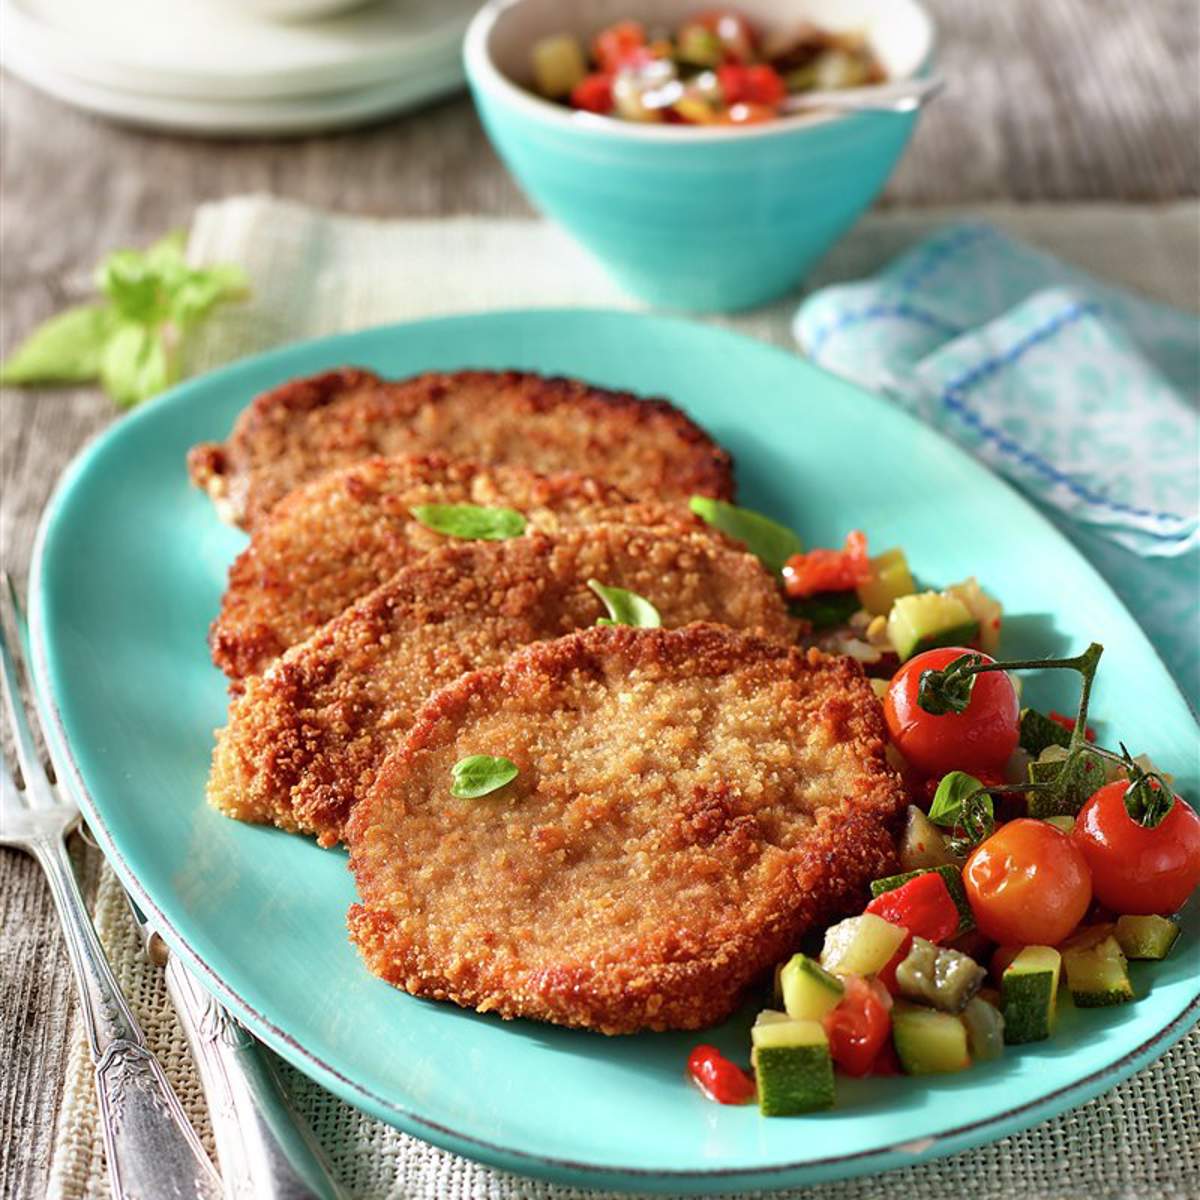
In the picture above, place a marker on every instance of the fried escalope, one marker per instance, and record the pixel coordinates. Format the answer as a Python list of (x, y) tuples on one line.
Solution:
[(334, 539), (304, 740), (688, 802), (288, 436)]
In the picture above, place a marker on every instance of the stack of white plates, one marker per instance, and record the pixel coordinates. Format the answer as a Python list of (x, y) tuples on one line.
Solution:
[(224, 67)]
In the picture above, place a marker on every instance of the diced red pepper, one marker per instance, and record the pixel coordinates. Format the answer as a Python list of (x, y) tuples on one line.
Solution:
[(718, 1078), (887, 973), (619, 45), (593, 93), (887, 1061), (858, 1027), (760, 84), (923, 906), (823, 570), (1068, 723)]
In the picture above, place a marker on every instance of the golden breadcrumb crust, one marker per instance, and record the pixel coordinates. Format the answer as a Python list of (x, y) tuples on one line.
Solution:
[(309, 426), (305, 738), (688, 803), (334, 539)]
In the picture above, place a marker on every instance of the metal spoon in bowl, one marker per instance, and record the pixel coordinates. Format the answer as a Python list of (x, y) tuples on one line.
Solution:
[(906, 95)]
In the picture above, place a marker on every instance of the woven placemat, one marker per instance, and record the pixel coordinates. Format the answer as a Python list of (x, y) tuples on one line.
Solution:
[(317, 274)]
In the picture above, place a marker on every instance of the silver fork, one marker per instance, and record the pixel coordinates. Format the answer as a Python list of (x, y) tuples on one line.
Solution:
[(151, 1147)]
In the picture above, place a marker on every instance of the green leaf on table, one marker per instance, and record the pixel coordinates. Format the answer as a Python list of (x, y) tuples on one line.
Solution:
[(625, 608), (136, 365), (767, 540), (472, 522), (65, 349), (132, 341), (480, 774)]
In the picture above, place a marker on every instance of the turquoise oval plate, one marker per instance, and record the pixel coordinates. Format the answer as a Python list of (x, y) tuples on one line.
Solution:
[(129, 569)]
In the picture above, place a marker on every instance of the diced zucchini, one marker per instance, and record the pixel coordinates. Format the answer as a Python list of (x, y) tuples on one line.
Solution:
[(860, 945), (771, 1016), (927, 619), (1038, 732), (929, 1042), (985, 1029), (826, 610), (1029, 994), (939, 976), (809, 991), (986, 611), (890, 579), (1146, 937), (1095, 967), (1087, 774), (793, 1067), (950, 873), (558, 65), (923, 843)]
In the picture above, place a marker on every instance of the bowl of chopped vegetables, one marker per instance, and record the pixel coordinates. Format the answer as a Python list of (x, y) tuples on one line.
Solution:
[(659, 133)]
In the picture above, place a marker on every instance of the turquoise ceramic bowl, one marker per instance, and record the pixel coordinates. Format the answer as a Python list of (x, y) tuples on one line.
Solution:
[(701, 219)]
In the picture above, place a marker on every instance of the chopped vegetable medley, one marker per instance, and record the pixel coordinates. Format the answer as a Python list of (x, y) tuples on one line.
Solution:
[(1027, 846), (716, 68)]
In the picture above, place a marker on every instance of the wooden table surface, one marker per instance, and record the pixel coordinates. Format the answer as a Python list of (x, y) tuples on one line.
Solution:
[(1052, 100)]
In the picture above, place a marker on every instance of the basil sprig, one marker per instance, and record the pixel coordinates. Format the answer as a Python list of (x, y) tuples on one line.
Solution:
[(767, 540), (962, 802), (471, 522), (132, 339), (625, 608), (480, 774)]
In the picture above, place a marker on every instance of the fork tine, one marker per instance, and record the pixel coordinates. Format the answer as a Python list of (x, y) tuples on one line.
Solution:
[(27, 754)]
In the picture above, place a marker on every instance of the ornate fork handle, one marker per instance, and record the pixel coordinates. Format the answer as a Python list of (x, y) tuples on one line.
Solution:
[(265, 1151), (151, 1147)]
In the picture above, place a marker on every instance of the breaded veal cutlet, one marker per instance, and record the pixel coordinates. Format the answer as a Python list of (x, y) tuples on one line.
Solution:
[(304, 740), (337, 537), (688, 802), (285, 437)]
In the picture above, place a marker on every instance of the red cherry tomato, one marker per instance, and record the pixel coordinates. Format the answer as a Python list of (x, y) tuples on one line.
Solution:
[(923, 906), (593, 93), (737, 36), (979, 739), (760, 84), (1028, 884), (824, 570), (718, 1078), (1135, 869), (619, 45), (859, 1026)]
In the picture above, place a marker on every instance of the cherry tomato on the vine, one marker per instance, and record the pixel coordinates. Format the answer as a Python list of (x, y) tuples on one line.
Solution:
[(1028, 884), (1138, 869), (979, 739)]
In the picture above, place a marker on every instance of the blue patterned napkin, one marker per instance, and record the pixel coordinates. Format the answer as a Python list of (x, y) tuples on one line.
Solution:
[(1084, 395)]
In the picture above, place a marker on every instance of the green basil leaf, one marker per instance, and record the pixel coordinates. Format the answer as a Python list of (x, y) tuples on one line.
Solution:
[(625, 608), (769, 541), (480, 774), (471, 521), (953, 789), (194, 296), (65, 349), (136, 365)]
